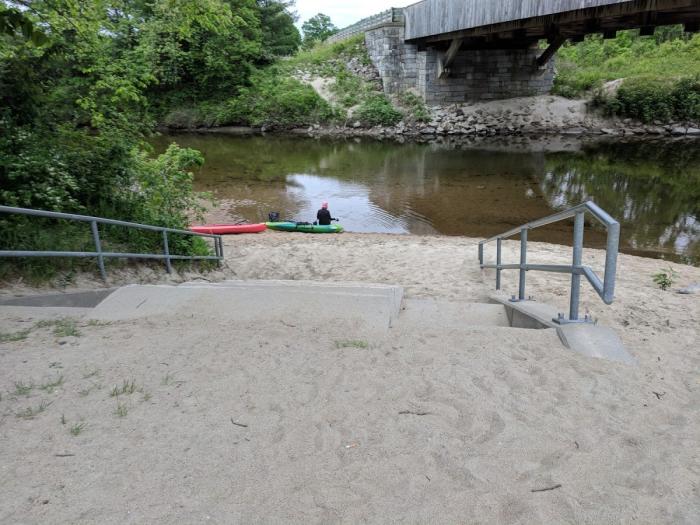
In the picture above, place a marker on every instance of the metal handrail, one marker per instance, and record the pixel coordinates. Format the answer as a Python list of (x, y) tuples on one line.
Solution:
[(102, 255), (604, 288)]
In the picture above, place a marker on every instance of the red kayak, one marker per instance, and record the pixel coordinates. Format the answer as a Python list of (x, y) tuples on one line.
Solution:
[(224, 229)]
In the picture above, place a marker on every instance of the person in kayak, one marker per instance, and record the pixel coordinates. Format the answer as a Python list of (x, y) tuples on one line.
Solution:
[(324, 216)]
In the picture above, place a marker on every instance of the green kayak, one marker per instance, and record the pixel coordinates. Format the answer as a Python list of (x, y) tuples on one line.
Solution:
[(304, 228)]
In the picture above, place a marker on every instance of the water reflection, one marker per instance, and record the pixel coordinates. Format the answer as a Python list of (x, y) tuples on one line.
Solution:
[(653, 188)]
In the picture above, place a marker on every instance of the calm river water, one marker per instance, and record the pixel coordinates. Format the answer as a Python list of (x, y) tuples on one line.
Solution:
[(475, 189)]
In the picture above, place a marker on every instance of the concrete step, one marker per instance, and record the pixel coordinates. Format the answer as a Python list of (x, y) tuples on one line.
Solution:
[(86, 299), (363, 307), (430, 313)]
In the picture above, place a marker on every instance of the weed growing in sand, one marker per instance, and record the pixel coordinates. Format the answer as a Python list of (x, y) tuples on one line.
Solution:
[(95, 322), (31, 412), (665, 278), (128, 387), (77, 428), (23, 389), (87, 374), (86, 391), (121, 410), (50, 386), (147, 396), (352, 343), (64, 327), (13, 337), (169, 379)]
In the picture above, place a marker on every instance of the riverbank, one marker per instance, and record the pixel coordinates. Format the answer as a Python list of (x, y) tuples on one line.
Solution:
[(530, 117)]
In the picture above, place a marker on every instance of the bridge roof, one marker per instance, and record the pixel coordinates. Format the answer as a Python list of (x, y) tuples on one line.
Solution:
[(435, 17)]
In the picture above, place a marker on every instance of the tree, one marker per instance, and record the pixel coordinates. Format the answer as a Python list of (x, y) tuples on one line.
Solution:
[(317, 29), (280, 35)]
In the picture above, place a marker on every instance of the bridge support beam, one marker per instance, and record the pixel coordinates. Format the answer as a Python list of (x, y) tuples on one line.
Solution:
[(548, 53), (445, 62)]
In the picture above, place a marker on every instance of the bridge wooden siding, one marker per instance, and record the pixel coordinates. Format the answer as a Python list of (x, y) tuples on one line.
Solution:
[(433, 20)]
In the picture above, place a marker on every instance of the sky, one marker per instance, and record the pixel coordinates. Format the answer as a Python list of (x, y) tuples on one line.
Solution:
[(345, 12)]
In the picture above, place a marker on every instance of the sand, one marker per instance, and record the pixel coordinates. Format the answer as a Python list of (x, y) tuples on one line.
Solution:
[(268, 422)]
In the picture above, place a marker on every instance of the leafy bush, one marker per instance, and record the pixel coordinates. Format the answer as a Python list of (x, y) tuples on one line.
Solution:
[(648, 99), (275, 101), (665, 278), (324, 53), (377, 110), (589, 64), (153, 191), (348, 89), (415, 106)]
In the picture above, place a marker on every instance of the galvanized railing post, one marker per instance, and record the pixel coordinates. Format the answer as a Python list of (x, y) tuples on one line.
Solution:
[(498, 263), (98, 249), (166, 252), (579, 222), (523, 263), (605, 289)]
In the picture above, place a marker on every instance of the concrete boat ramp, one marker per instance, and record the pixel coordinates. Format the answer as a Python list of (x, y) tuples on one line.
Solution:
[(361, 309)]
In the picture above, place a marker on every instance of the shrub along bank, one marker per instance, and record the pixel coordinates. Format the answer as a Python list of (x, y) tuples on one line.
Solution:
[(661, 74), (82, 85), (281, 96)]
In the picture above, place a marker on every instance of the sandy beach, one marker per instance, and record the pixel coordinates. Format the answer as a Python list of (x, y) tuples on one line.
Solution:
[(270, 422)]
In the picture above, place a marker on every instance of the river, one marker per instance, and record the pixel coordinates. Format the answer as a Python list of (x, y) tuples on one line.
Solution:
[(471, 188)]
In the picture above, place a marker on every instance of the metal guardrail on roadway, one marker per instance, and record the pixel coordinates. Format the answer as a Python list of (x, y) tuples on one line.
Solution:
[(604, 288), (101, 255)]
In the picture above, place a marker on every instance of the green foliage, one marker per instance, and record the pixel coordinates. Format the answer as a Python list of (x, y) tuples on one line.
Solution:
[(414, 106), (348, 89), (317, 29), (75, 113), (665, 278), (377, 110), (13, 337), (14, 22), (280, 35), (587, 65), (648, 99), (199, 49), (273, 100), (326, 57)]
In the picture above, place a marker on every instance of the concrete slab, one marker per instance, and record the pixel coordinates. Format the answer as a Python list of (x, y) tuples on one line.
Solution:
[(595, 341), (435, 313), (393, 293), (589, 339), (88, 299), (371, 307)]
